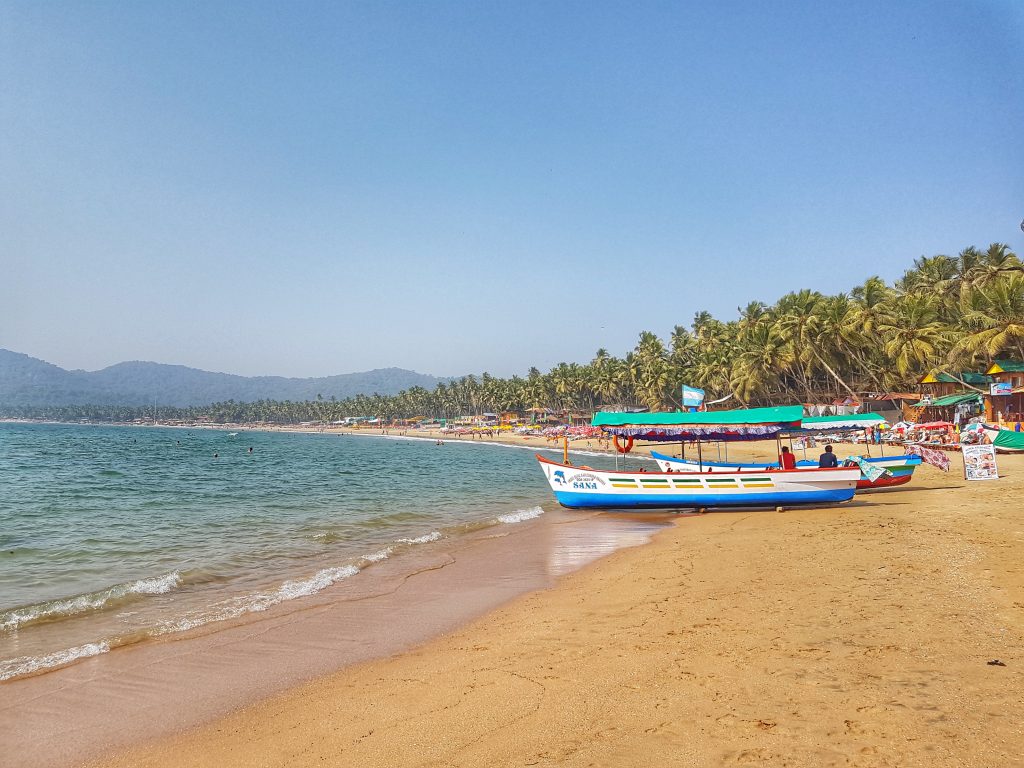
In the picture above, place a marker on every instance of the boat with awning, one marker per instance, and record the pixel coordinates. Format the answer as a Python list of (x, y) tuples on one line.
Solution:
[(586, 487), (899, 469)]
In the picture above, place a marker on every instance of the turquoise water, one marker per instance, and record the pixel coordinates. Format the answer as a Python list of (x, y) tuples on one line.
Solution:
[(109, 535)]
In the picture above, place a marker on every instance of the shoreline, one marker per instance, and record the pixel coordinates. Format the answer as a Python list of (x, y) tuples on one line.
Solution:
[(858, 635), (137, 693), (916, 522)]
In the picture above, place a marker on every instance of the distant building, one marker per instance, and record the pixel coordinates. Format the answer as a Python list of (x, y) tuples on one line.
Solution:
[(1006, 391), (951, 397)]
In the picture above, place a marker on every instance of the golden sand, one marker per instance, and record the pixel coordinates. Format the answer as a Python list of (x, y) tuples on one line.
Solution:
[(857, 635)]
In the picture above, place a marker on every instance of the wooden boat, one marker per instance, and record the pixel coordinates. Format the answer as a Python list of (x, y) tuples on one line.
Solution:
[(900, 467), (1005, 440), (582, 487)]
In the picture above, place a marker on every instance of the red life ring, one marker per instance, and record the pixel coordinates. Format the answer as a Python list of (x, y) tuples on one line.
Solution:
[(623, 449)]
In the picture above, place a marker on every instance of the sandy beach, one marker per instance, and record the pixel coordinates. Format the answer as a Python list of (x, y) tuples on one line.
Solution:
[(858, 635)]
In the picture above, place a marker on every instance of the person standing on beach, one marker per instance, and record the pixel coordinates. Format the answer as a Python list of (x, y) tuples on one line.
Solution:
[(786, 459), (828, 459)]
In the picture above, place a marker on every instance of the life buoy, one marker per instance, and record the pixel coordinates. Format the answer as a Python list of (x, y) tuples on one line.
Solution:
[(623, 448)]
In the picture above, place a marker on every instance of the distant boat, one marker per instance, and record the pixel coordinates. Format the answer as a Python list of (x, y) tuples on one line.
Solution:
[(1005, 440), (232, 434), (900, 468), (584, 487)]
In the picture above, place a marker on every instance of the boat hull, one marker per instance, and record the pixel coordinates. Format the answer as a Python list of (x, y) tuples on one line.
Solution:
[(582, 487), (901, 468)]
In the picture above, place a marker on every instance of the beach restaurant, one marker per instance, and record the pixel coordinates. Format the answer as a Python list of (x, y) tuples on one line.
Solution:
[(953, 398), (1005, 399), (997, 395)]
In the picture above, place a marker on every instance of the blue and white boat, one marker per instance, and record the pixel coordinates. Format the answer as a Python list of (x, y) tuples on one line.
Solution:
[(584, 487), (899, 468)]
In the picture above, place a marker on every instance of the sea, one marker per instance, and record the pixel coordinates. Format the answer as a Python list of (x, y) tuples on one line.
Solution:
[(115, 535)]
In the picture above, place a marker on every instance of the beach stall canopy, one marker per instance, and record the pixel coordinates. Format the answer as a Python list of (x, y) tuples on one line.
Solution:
[(841, 423), (746, 424), (951, 400)]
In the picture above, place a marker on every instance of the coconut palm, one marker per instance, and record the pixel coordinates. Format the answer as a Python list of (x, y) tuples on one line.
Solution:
[(913, 337), (993, 321)]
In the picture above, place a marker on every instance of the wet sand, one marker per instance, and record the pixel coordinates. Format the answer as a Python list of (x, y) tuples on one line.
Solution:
[(857, 635), (165, 686)]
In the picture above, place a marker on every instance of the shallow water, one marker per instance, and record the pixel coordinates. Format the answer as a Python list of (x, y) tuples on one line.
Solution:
[(113, 535)]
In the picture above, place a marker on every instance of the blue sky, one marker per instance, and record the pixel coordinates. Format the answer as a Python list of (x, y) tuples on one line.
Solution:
[(313, 188)]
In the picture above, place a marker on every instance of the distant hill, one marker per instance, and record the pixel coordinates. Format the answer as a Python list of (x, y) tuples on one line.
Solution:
[(27, 381)]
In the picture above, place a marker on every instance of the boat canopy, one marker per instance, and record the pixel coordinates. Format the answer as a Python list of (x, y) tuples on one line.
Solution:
[(853, 421), (742, 424)]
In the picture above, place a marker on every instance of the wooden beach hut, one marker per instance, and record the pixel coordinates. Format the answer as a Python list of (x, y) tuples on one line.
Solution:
[(1006, 392)]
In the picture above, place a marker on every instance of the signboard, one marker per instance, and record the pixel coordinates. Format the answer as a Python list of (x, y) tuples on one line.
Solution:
[(980, 462), (692, 397), (999, 388)]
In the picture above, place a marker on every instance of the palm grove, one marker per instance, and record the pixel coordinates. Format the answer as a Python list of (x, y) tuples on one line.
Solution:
[(947, 313)]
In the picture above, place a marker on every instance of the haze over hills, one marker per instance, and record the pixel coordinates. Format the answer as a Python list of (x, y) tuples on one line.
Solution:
[(28, 381)]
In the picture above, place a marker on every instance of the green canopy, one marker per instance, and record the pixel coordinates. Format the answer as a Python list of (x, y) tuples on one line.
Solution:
[(1010, 440), (836, 423), (948, 400), (743, 424)]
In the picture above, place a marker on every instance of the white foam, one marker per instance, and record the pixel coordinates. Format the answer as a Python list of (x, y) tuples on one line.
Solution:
[(376, 557), (424, 539), (520, 515), (24, 665), (261, 601), (72, 606)]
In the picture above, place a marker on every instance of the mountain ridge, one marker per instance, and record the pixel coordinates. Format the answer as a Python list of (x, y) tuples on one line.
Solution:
[(29, 381)]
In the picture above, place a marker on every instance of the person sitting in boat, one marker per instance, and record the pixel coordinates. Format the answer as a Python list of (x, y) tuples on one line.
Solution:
[(786, 459), (828, 459)]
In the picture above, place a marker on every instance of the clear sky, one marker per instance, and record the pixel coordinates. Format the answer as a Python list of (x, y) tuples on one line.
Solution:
[(314, 188)]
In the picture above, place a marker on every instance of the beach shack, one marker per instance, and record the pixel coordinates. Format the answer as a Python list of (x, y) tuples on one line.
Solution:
[(1005, 397), (941, 384), (950, 397), (893, 406)]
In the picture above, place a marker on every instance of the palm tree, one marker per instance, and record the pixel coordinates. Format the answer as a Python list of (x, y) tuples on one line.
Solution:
[(993, 321), (913, 336), (795, 313), (756, 370)]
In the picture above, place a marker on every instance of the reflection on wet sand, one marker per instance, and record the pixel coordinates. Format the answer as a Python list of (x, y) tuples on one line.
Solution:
[(576, 543)]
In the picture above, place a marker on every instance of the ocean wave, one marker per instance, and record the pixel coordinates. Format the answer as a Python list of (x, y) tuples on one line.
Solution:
[(259, 601), (90, 601), (376, 557), (520, 515), (424, 539), (26, 665)]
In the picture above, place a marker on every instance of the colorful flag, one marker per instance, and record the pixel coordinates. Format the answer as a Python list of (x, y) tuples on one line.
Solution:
[(692, 397)]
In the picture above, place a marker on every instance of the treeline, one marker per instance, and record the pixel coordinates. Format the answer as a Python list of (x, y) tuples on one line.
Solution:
[(946, 313)]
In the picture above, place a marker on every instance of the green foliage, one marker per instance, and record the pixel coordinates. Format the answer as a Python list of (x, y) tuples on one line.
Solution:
[(945, 312)]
